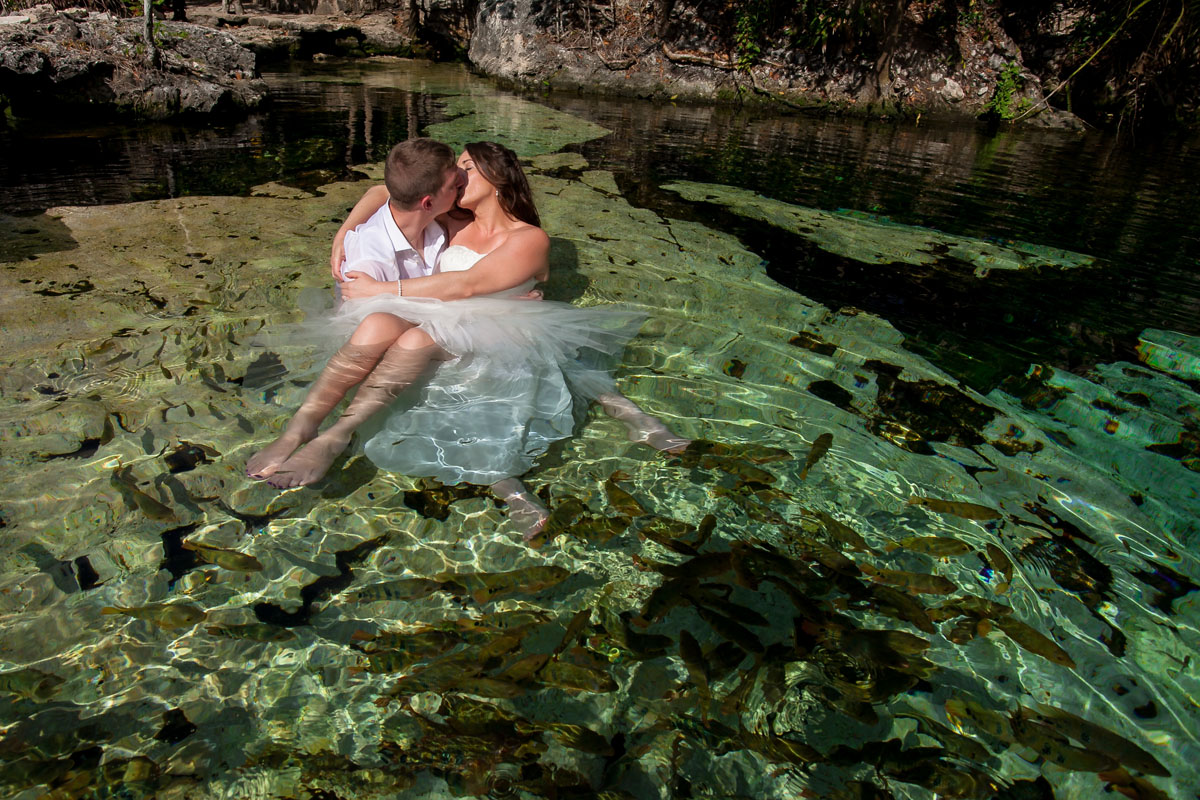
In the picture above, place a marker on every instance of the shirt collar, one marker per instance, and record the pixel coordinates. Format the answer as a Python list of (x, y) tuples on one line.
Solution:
[(401, 244)]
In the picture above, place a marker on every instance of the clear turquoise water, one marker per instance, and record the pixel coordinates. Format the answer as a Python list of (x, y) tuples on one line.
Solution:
[(354, 640)]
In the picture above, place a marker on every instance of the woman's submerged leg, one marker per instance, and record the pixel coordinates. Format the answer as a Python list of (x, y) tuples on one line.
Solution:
[(401, 364), (345, 370), (642, 427)]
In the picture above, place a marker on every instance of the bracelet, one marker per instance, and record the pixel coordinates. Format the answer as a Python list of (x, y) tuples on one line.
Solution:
[(400, 286)]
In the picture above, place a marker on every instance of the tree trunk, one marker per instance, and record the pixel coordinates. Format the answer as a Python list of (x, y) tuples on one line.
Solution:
[(662, 17), (891, 35), (151, 50)]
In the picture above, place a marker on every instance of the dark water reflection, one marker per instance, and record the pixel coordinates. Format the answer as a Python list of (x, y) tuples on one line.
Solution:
[(1134, 205), (312, 132)]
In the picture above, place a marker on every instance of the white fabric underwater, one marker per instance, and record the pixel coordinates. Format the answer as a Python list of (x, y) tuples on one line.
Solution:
[(522, 371)]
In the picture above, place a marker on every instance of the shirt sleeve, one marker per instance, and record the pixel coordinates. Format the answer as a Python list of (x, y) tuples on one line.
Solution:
[(369, 253)]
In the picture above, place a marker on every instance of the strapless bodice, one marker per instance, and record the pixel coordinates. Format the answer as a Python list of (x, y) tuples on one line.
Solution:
[(457, 258)]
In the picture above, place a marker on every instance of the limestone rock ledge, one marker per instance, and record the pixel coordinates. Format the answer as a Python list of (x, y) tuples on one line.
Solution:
[(279, 36), (981, 71), (74, 59)]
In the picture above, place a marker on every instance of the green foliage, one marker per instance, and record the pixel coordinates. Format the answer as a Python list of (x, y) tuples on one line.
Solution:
[(133, 8), (750, 25), (822, 22), (807, 24), (1008, 82)]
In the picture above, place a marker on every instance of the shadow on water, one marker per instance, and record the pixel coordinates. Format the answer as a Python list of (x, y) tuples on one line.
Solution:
[(315, 130), (24, 237), (567, 283)]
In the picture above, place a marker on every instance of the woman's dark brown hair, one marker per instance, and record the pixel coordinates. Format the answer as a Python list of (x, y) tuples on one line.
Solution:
[(500, 166)]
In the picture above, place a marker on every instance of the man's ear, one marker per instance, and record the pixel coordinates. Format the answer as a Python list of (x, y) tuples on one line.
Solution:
[(426, 203)]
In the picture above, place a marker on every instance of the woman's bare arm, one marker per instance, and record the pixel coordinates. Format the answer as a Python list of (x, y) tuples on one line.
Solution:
[(370, 202), (524, 255)]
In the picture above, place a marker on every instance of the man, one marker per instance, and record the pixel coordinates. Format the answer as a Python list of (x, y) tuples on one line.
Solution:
[(403, 239), (423, 181)]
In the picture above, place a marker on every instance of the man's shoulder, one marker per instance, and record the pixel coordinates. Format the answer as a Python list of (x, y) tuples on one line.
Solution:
[(378, 226), (379, 218), (371, 240)]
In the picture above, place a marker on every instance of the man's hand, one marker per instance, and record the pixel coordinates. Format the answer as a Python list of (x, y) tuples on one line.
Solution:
[(359, 285)]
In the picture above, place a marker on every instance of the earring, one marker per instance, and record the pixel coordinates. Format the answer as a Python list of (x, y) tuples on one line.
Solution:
[(497, 193)]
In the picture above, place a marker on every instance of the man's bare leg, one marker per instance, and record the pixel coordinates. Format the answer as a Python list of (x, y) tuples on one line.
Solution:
[(524, 508), (345, 370), (642, 427), (400, 365)]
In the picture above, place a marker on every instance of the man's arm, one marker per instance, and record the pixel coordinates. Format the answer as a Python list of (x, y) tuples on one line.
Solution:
[(370, 202), (524, 255)]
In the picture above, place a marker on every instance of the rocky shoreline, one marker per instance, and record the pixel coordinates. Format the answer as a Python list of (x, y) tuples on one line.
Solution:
[(275, 37), (74, 58), (981, 73), (73, 61)]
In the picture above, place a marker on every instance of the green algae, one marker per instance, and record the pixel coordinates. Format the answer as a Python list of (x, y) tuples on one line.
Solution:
[(158, 354), (527, 128), (875, 240), (1171, 352)]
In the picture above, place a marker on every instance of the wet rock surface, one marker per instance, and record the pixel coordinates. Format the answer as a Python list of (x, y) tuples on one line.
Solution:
[(888, 582), (63, 62), (330, 30), (687, 55)]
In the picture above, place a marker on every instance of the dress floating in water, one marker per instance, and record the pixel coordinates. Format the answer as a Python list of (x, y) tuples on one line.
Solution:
[(522, 371)]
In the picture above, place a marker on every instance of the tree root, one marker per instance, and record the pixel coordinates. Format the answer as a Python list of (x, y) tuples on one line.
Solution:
[(697, 59)]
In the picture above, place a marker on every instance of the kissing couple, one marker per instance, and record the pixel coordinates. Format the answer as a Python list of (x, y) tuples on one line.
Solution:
[(463, 373)]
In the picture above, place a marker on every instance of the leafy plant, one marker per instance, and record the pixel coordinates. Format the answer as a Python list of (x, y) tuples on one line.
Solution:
[(750, 25), (1008, 83)]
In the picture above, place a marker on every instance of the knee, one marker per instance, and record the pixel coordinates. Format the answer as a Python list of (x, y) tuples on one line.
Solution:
[(379, 328), (414, 339)]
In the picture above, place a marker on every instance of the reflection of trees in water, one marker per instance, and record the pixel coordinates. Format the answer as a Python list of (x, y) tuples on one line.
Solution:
[(1134, 209), (1090, 193), (313, 132)]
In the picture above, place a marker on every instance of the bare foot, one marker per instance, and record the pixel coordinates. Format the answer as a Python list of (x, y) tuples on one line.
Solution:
[(528, 515), (659, 436), (642, 427), (310, 463), (265, 462)]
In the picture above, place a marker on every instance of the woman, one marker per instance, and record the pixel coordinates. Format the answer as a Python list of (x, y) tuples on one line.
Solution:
[(509, 371)]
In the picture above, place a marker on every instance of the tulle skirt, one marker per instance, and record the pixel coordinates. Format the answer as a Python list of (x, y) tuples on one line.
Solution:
[(520, 374)]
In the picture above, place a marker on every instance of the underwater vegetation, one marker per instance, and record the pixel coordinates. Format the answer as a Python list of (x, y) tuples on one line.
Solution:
[(861, 580)]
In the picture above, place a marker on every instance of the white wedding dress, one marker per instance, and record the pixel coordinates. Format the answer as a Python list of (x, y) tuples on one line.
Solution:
[(521, 372)]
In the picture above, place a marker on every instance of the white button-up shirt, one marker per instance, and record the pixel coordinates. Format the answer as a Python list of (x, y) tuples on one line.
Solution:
[(378, 247)]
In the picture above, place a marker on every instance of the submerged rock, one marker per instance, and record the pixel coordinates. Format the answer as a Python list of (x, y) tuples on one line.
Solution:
[(63, 61), (877, 240), (375, 634)]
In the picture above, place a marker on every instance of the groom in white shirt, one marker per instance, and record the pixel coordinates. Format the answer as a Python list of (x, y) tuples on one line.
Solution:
[(403, 239)]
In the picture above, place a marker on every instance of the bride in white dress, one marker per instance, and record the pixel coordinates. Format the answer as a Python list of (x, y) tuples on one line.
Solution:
[(470, 390)]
